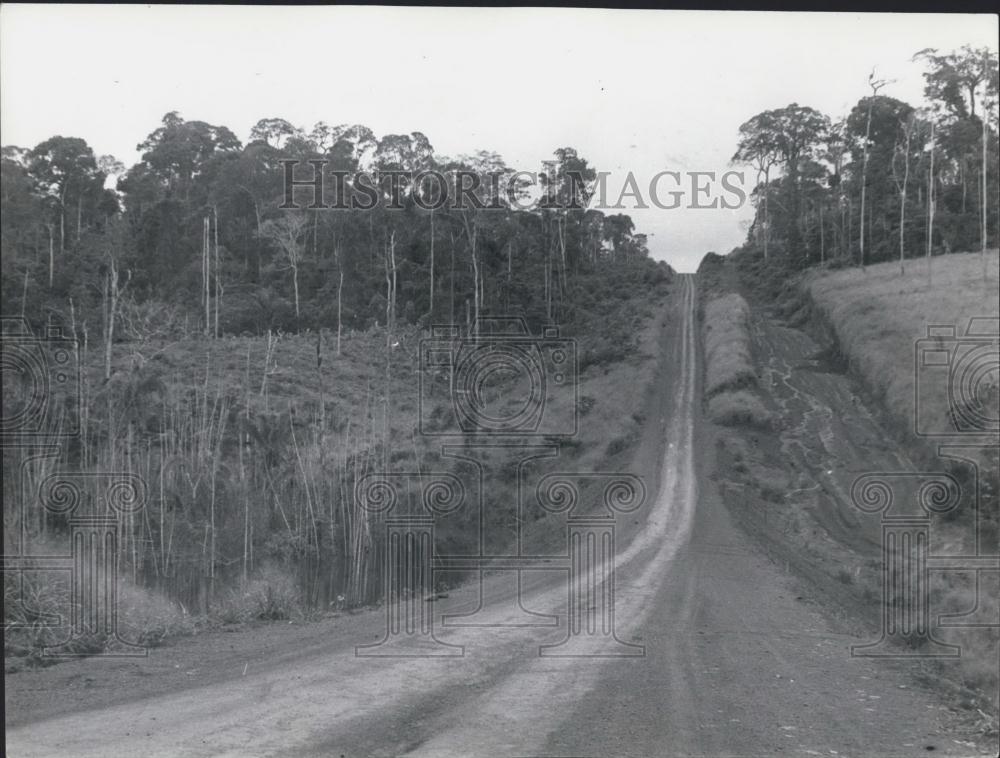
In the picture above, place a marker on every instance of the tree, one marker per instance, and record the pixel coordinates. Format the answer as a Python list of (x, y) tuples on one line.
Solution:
[(113, 250), (568, 187), (876, 85), (178, 150), (286, 233), (962, 85), (617, 230), (872, 131), (833, 156), (274, 132), (952, 81), (903, 148), (930, 205), (758, 147), (787, 137), (66, 170)]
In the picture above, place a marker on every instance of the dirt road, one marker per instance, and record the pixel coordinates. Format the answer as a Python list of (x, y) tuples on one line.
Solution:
[(736, 661)]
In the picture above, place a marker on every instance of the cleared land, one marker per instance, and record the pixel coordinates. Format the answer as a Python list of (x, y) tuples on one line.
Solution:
[(881, 319)]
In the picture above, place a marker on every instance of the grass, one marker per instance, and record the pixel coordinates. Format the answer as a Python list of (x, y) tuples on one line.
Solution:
[(728, 361), (730, 377), (879, 318), (145, 617)]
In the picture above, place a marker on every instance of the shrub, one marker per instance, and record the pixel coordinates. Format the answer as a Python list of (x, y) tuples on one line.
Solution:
[(149, 618), (33, 601), (271, 595), (728, 363), (740, 408)]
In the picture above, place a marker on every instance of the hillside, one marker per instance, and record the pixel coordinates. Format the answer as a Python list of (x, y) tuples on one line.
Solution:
[(251, 448), (832, 357), (881, 318)]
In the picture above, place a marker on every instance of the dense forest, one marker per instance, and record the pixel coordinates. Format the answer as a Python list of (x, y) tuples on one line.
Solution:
[(192, 237), (889, 180)]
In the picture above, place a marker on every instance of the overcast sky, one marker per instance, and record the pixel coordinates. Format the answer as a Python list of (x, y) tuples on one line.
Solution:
[(631, 90)]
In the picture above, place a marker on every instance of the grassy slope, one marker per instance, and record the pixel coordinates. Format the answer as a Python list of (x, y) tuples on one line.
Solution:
[(878, 316)]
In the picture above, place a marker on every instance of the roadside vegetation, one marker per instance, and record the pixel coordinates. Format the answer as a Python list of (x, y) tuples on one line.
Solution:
[(796, 497), (251, 365), (731, 381), (881, 321), (854, 247)]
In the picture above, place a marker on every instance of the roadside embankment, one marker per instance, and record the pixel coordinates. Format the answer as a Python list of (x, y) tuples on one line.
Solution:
[(889, 325), (731, 381), (834, 353)]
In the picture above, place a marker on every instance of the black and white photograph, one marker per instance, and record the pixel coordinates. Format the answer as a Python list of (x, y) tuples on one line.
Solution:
[(499, 382)]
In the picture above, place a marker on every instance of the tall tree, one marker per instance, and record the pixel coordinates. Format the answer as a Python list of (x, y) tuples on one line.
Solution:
[(66, 170), (758, 147), (876, 85)]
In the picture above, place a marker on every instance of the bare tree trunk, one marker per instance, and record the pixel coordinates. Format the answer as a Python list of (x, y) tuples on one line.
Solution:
[(767, 188), (295, 288), (930, 212), (864, 181), (984, 203), (390, 315), (111, 290), (548, 288), (218, 278), (902, 187), (340, 293), (510, 256), (52, 257), (451, 303), (876, 86), (24, 293), (431, 307), (205, 274), (562, 254), (902, 228), (472, 232), (390, 288), (475, 292), (822, 238)]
